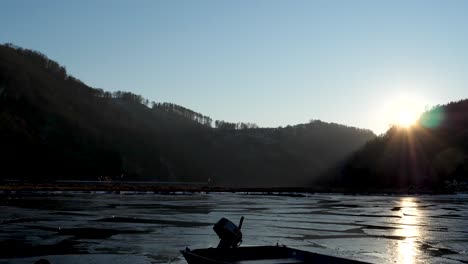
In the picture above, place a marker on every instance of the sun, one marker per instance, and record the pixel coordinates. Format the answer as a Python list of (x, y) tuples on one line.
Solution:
[(406, 117), (405, 111)]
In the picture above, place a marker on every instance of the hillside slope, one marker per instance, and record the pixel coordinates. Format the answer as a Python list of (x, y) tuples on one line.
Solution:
[(433, 154), (53, 126)]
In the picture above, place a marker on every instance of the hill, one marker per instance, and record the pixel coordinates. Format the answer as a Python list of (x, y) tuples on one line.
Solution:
[(53, 126), (433, 154)]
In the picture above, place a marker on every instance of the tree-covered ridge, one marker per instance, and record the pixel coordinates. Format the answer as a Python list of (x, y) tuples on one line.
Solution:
[(53, 126), (60, 73), (432, 154)]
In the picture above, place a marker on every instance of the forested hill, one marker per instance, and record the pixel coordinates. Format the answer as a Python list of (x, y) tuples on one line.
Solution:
[(431, 155), (53, 126)]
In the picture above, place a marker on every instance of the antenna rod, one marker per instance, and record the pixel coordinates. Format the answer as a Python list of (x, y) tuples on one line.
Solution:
[(240, 222)]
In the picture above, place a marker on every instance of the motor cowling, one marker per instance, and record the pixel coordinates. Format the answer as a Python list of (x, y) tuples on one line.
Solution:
[(229, 234)]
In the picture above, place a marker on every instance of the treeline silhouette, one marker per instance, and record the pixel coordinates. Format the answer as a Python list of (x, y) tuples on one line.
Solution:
[(53, 126), (432, 155)]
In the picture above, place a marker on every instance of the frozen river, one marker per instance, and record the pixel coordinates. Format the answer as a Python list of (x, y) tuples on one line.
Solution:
[(149, 228)]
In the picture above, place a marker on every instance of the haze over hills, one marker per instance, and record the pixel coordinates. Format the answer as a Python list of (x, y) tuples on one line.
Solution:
[(53, 126)]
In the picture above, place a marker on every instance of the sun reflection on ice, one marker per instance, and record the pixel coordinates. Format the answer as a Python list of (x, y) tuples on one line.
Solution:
[(407, 250)]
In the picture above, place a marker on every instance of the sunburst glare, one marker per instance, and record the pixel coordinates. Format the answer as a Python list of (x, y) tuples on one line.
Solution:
[(404, 111)]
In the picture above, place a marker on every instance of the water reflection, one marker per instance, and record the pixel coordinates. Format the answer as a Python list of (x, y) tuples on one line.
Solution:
[(409, 223)]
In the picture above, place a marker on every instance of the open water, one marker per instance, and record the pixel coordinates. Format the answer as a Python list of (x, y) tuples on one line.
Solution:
[(151, 228)]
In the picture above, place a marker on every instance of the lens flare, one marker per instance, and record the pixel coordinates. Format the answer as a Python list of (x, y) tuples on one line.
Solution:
[(432, 118)]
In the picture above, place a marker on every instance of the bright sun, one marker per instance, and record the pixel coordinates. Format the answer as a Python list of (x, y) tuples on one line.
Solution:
[(406, 117), (405, 111)]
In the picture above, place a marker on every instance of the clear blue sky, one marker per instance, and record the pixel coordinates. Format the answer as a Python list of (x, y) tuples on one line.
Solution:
[(270, 62)]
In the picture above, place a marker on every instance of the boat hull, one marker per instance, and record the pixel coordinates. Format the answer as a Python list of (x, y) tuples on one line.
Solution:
[(259, 255)]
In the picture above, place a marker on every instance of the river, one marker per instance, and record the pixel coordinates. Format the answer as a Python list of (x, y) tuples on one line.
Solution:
[(151, 228)]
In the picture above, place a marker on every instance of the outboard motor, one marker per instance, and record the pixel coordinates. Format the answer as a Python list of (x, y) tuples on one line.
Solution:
[(229, 233)]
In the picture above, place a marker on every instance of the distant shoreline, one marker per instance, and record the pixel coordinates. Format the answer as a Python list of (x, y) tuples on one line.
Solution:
[(162, 188)]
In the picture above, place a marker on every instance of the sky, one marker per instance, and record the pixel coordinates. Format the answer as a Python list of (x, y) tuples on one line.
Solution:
[(274, 63)]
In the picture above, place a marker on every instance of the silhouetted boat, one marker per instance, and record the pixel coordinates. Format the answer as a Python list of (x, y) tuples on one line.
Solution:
[(228, 251), (258, 255)]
